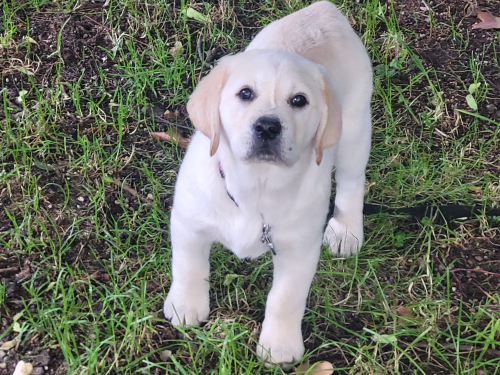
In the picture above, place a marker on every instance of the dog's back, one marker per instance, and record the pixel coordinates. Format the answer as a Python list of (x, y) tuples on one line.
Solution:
[(321, 33)]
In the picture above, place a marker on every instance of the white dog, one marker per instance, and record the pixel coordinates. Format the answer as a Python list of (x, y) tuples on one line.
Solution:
[(272, 123)]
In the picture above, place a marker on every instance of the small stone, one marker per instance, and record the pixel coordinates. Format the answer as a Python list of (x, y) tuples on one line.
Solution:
[(150, 196), (479, 258), (81, 199), (2, 354), (165, 355), (37, 371), (3, 365), (491, 108)]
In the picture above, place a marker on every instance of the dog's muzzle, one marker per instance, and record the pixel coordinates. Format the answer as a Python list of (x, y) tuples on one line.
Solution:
[(266, 144)]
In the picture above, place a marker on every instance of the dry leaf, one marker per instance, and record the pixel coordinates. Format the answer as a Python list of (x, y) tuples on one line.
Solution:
[(488, 21), (170, 115), (405, 315), (405, 312), (99, 276), (172, 136), (470, 10), (8, 345), (25, 272), (23, 368), (177, 49), (319, 368)]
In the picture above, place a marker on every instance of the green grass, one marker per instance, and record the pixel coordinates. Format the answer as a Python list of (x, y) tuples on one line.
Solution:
[(85, 195)]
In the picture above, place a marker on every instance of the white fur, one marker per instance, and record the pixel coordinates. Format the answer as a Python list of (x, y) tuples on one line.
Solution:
[(302, 53)]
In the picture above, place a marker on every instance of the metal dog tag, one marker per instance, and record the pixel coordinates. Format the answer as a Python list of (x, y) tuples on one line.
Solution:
[(266, 237)]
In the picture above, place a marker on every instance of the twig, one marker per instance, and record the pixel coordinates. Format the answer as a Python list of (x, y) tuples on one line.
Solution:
[(198, 48), (200, 53), (9, 269), (461, 348), (475, 270), (109, 30), (163, 121), (239, 23), (460, 288), (13, 105), (129, 190)]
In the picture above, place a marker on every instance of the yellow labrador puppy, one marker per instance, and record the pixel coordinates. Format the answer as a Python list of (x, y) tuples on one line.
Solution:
[(272, 123)]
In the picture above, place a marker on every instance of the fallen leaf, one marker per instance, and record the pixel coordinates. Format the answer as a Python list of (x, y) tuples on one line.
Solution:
[(30, 39), (8, 345), (405, 315), (25, 272), (488, 21), (194, 14), (42, 166), (229, 279), (23, 368), (170, 115), (177, 49), (172, 136), (385, 339), (100, 276), (471, 102), (470, 10), (22, 93), (319, 368), (404, 312), (16, 327), (474, 87)]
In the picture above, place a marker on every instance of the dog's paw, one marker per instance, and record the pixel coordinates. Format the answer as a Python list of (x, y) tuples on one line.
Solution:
[(280, 347), (343, 240), (186, 306)]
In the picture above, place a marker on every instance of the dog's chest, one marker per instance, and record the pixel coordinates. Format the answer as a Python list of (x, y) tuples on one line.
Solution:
[(243, 235)]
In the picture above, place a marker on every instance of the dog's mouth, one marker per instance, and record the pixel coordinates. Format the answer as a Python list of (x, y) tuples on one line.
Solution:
[(265, 152)]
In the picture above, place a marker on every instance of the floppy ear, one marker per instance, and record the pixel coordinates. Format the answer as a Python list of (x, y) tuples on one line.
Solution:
[(331, 120), (203, 105)]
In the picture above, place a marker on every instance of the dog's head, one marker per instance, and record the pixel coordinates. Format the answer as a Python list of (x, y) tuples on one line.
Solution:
[(269, 104)]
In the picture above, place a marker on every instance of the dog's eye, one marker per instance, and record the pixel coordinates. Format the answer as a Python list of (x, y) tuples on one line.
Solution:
[(246, 94), (298, 101)]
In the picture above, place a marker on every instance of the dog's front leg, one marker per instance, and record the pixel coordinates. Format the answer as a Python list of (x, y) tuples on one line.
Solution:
[(281, 338), (188, 301)]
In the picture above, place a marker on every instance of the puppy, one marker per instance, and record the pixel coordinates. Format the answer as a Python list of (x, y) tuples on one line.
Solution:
[(272, 122)]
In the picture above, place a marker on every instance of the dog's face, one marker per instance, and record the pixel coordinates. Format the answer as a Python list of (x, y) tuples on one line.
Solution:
[(270, 105)]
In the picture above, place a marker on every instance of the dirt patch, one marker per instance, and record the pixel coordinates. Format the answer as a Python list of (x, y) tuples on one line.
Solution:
[(445, 42)]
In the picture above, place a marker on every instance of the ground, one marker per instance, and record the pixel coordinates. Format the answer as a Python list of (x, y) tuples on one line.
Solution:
[(85, 193)]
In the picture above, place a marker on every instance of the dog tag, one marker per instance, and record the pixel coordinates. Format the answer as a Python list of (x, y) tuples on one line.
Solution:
[(266, 237)]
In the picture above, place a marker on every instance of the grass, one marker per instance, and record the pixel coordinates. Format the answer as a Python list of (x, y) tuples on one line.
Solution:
[(85, 196)]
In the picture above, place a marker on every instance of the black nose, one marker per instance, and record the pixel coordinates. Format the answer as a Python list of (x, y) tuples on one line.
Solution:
[(267, 128)]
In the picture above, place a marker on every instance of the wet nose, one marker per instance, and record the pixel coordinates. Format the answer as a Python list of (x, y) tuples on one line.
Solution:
[(267, 128)]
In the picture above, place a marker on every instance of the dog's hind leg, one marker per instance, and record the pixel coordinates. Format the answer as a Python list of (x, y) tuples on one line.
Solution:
[(344, 232)]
